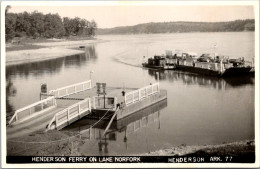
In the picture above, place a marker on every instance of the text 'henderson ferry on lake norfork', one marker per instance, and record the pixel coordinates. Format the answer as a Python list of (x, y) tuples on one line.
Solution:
[(206, 64)]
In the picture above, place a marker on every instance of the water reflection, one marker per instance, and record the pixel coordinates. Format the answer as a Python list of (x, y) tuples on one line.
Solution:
[(206, 81), (35, 68), (51, 66), (119, 130), (10, 92)]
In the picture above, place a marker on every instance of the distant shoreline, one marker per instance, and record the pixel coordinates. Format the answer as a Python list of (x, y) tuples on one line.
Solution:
[(173, 33), (182, 27)]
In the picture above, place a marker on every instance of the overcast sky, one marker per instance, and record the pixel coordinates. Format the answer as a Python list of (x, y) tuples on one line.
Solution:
[(113, 16)]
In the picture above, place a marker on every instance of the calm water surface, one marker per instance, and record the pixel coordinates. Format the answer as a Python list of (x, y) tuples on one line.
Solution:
[(199, 110)]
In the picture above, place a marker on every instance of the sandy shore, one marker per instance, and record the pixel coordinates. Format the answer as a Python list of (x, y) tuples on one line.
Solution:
[(234, 148), (21, 56), (70, 44), (48, 50)]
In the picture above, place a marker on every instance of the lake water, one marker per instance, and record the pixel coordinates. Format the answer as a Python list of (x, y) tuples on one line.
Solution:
[(199, 110)]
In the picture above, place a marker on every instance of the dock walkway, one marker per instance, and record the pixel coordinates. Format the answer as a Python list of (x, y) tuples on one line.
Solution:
[(40, 120), (65, 105)]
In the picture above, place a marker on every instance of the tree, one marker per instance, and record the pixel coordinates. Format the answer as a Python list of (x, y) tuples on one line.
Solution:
[(10, 22), (7, 9), (93, 27), (37, 24), (53, 26)]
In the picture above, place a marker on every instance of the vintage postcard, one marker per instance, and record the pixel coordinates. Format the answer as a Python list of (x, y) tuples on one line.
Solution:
[(160, 84)]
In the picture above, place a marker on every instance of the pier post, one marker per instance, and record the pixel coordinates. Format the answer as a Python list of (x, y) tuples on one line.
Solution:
[(79, 109), (94, 102), (68, 114), (91, 78), (89, 104), (115, 102)]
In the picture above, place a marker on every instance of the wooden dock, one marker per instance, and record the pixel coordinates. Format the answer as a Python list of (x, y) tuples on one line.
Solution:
[(65, 105)]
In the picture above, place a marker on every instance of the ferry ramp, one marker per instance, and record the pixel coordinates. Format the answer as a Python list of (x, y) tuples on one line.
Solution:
[(62, 107)]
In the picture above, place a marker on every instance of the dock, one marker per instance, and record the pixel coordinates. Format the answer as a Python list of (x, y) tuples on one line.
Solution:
[(61, 107)]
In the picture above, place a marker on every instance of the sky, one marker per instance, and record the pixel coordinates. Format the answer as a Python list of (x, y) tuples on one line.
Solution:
[(114, 16)]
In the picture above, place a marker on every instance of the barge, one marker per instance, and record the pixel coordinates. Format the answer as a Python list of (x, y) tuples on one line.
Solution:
[(218, 65)]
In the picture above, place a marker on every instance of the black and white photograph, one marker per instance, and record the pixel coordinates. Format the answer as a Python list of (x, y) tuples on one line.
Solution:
[(129, 84)]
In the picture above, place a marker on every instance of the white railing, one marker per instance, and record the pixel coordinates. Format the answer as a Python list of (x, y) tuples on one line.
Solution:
[(141, 93), (33, 110), (71, 112), (71, 89)]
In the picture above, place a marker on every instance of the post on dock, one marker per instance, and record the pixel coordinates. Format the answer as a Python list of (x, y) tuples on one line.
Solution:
[(90, 74), (43, 90), (158, 78), (104, 92)]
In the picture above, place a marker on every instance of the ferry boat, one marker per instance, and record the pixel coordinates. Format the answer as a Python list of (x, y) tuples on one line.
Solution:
[(206, 64)]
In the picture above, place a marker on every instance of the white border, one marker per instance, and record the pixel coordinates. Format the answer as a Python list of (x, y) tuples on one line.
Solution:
[(254, 3)]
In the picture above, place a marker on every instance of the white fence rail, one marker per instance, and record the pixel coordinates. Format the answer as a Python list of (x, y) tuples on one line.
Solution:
[(141, 93), (33, 109), (71, 112), (71, 89)]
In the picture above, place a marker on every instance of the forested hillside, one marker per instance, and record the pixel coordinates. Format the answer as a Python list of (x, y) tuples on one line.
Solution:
[(172, 27), (38, 25)]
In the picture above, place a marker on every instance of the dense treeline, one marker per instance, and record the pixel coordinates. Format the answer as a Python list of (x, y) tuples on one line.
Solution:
[(37, 25), (172, 27)]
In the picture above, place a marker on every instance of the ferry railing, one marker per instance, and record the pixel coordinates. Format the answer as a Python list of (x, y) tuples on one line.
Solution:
[(141, 93), (33, 110), (206, 65), (71, 112), (71, 89)]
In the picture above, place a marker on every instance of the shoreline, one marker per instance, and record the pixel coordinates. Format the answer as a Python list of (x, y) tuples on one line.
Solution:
[(47, 50), (62, 141), (237, 148)]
